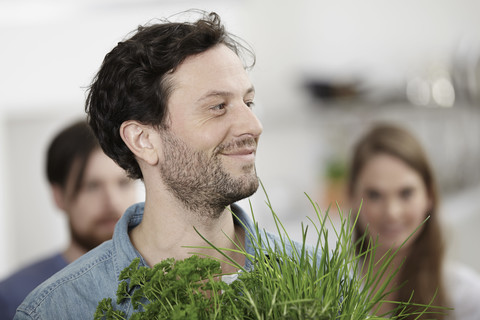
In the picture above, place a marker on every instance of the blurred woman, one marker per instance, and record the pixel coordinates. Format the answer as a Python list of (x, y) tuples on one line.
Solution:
[(391, 173)]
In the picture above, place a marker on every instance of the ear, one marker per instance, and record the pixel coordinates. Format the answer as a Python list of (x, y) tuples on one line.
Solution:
[(59, 196), (138, 138)]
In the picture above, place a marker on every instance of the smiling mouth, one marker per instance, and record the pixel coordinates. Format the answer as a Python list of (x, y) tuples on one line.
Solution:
[(240, 152), (247, 154), (390, 231)]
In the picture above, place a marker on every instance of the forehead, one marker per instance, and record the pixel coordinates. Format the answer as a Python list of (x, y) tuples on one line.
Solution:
[(384, 171), (99, 165), (218, 68)]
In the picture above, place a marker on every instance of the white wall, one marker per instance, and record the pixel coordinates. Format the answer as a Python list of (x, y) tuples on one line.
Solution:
[(48, 58)]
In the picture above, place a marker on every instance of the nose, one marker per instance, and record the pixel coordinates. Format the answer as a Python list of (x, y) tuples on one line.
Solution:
[(392, 209), (246, 122)]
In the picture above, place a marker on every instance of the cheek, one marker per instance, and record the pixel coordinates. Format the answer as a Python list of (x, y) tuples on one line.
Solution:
[(370, 216), (414, 219), (217, 132), (202, 136), (83, 211), (371, 212), (418, 210), (364, 220), (417, 215)]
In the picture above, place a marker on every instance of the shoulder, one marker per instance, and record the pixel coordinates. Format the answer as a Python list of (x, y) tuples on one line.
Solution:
[(461, 278), (283, 244), (462, 285), (16, 287), (89, 278), (264, 238), (36, 269)]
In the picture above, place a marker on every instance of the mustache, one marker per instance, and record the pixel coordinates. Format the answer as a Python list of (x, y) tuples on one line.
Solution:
[(236, 144)]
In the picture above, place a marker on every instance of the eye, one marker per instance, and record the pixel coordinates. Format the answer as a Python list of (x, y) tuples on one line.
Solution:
[(219, 107), (91, 186), (250, 104), (373, 195), (406, 193)]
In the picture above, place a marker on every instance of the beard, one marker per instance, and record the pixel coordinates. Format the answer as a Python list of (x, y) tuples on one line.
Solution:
[(91, 238), (201, 182)]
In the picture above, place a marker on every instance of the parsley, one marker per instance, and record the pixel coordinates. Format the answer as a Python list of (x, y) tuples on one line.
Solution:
[(170, 290)]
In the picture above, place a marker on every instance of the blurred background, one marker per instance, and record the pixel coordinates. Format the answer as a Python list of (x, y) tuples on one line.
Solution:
[(325, 71)]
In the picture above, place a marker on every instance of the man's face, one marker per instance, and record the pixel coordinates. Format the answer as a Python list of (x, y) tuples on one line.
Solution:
[(210, 144), (105, 193)]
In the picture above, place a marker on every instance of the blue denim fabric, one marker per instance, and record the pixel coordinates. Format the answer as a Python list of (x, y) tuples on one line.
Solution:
[(74, 292)]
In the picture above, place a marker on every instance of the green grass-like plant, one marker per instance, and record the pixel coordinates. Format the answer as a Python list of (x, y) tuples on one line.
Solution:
[(289, 281)]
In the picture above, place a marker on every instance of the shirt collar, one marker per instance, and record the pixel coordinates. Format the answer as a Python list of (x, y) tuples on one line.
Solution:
[(125, 252)]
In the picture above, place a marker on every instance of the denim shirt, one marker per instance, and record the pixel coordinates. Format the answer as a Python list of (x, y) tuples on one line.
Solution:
[(75, 291)]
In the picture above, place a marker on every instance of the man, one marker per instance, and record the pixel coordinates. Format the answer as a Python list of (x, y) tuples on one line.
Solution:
[(172, 105), (93, 192)]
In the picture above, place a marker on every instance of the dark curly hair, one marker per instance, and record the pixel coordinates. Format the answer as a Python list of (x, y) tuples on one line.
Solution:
[(133, 80)]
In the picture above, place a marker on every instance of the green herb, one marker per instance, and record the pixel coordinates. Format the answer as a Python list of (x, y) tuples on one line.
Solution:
[(308, 282)]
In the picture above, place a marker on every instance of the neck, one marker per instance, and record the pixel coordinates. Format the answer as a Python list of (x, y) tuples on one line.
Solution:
[(167, 227), (73, 252)]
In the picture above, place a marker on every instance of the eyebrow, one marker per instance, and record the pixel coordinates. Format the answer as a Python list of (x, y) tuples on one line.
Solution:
[(370, 189), (215, 93), (407, 188)]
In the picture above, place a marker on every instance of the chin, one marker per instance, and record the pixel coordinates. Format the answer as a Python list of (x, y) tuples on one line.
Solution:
[(394, 244), (247, 188)]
